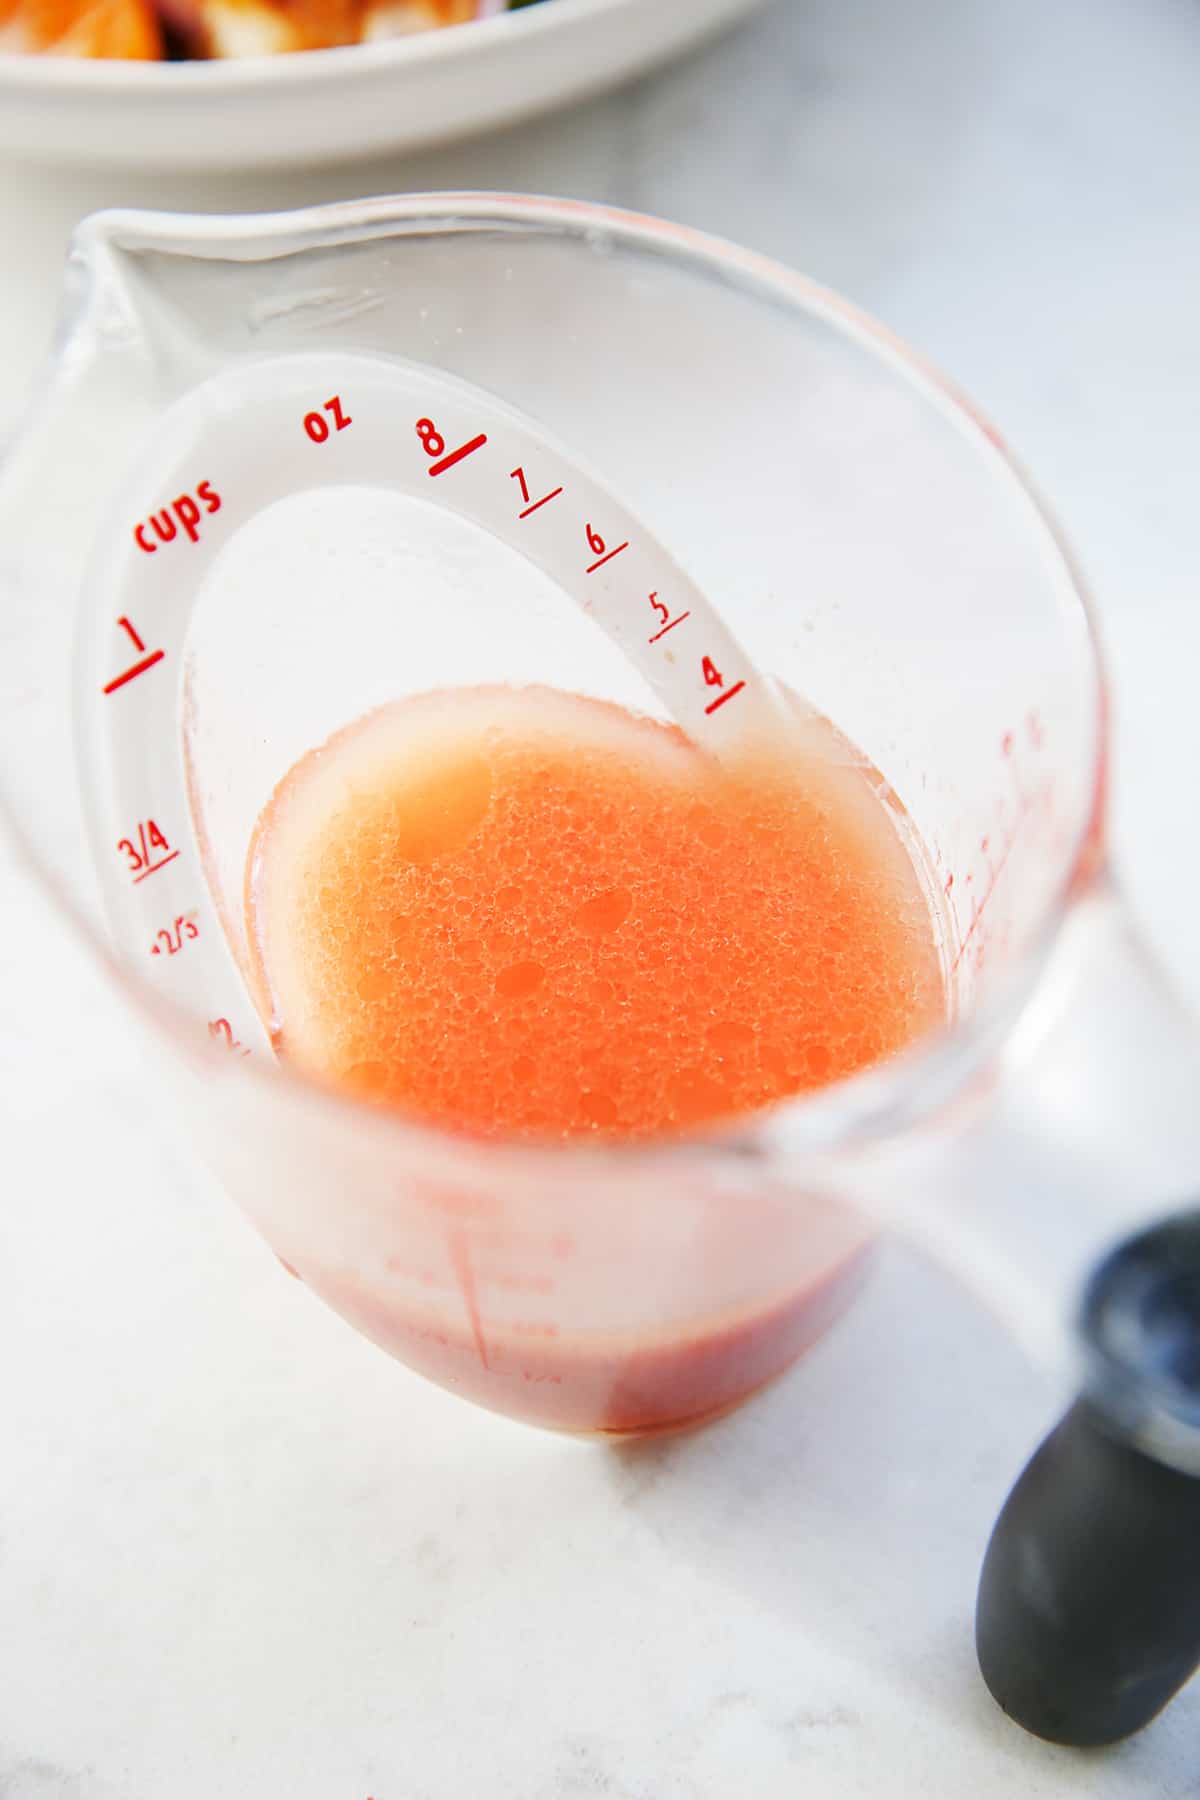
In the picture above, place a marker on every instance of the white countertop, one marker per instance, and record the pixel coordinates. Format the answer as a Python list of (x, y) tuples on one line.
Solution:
[(242, 1553)]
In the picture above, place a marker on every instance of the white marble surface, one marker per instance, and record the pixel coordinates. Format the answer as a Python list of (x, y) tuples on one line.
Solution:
[(242, 1553)]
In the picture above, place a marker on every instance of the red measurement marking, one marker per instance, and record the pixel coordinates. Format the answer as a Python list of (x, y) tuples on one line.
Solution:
[(599, 564), (949, 884), (126, 626), (155, 840), (140, 856), (670, 626), (318, 428), (221, 1028), (170, 939), (544, 501), (727, 695), (155, 867), (147, 662), (456, 456), (182, 515), (432, 441), (597, 547), (460, 1257), (982, 906), (518, 474)]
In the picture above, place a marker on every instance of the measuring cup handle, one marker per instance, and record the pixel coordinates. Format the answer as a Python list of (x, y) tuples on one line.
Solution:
[(1087, 1128), (1088, 1613)]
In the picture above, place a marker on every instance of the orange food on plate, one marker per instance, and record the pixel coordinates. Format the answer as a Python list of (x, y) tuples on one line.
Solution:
[(230, 28), (150, 30), (92, 28), (397, 18)]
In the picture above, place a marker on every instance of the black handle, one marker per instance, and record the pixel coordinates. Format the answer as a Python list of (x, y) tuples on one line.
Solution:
[(1088, 1615), (1088, 1618)]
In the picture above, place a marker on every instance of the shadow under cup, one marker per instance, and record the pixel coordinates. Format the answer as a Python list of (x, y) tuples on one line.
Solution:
[(871, 547)]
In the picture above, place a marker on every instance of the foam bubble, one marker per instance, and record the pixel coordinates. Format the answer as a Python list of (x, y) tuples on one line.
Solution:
[(523, 911)]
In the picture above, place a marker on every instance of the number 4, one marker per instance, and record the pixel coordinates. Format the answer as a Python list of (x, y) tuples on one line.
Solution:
[(712, 675)]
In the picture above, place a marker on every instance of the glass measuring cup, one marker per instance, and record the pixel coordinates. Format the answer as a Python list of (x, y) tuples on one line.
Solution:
[(859, 533)]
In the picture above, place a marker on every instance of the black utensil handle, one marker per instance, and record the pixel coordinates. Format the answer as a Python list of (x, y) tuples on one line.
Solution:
[(1088, 1615)]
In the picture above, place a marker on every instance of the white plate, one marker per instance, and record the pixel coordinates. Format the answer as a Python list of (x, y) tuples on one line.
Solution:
[(320, 105)]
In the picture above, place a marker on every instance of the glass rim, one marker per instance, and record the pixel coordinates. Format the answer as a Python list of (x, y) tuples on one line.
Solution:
[(853, 1114)]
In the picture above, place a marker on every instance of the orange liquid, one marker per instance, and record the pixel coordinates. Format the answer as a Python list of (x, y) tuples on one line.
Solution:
[(524, 912), (521, 912)]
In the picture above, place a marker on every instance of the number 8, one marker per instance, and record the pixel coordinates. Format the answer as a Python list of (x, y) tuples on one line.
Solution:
[(431, 437)]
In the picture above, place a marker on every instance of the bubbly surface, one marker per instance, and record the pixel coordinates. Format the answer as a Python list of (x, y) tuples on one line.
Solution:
[(520, 911)]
